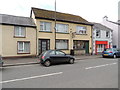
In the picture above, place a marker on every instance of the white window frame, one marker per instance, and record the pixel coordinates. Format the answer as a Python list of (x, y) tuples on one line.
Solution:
[(65, 28), (98, 34), (43, 26), (81, 30), (108, 36), (20, 30), (62, 40), (23, 47)]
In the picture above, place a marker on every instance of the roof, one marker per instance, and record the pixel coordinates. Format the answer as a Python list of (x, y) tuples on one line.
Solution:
[(16, 20), (50, 15), (101, 27)]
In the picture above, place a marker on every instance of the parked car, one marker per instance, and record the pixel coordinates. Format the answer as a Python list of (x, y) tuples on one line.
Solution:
[(111, 52), (50, 57), (1, 61)]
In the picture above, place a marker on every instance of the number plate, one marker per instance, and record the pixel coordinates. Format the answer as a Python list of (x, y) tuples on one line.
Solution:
[(105, 54)]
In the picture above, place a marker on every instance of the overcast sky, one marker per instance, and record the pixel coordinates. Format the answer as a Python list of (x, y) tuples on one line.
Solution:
[(91, 10)]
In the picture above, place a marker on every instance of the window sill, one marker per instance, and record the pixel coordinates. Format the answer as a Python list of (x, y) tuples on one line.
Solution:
[(23, 53), (46, 31), (81, 34), (62, 49), (62, 33), (19, 37)]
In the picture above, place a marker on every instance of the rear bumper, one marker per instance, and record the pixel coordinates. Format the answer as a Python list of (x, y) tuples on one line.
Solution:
[(107, 55)]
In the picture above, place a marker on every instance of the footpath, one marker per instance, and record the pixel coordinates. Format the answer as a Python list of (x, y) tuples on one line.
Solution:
[(35, 60)]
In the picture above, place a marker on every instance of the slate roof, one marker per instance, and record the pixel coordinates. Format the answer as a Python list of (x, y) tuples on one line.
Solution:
[(101, 27), (47, 14), (16, 20)]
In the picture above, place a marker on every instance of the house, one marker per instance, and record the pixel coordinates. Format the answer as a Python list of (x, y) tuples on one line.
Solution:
[(17, 36), (102, 38), (114, 26), (72, 32)]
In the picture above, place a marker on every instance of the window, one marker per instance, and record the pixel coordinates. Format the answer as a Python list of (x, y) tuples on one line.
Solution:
[(79, 44), (45, 26), (19, 31), (62, 28), (81, 30), (107, 34), (23, 47), (61, 44), (98, 33), (60, 53)]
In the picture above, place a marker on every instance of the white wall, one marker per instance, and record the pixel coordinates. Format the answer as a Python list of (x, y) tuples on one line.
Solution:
[(114, 27), (102, 38)]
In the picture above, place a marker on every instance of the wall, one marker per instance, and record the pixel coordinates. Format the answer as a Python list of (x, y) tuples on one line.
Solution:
[(114, 27), (51, 36), (10, 43), (102, 38), (0, 39)]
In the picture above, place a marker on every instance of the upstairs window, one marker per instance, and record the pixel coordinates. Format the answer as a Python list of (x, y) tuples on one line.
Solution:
[(45, 26), (98, 33), (19, 31), (63, 28), (107, 34), (81, 30)]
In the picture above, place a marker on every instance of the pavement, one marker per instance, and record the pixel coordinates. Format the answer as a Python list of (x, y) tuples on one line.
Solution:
[(35, 60)]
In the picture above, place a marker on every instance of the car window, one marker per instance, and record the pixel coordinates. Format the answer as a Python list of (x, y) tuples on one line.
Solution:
[(108, 50), (60, 53), (52, 53)]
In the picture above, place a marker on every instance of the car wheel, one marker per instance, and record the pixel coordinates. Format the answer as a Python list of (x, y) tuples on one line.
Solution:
[(71, 61), (114, 56), (47, 63)]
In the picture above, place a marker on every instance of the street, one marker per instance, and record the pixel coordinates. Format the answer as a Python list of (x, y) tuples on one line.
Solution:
[(91, 73)]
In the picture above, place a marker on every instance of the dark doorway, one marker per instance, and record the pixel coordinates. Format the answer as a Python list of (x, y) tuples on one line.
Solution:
[(43, 45)]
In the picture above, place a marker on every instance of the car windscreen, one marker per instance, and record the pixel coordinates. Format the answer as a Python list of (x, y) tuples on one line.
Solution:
[(108, 50)]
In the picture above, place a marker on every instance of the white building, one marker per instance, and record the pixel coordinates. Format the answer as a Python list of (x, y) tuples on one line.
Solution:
[(114, 26), (102, 38)]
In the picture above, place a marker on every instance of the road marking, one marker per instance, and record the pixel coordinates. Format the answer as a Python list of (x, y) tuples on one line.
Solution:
[(31, 77), (100, 66)]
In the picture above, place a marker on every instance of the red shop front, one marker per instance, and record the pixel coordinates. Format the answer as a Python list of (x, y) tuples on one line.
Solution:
[(100, 46)]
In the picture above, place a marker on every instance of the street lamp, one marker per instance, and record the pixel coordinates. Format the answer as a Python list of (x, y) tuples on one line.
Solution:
[(55, 25)]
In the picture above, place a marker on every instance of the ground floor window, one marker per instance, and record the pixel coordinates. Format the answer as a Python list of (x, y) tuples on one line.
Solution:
[(23, 47), (62, 44), (78, 44)]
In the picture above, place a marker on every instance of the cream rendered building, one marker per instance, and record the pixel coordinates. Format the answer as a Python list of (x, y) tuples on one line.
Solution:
[(72, 32), (17, 36)]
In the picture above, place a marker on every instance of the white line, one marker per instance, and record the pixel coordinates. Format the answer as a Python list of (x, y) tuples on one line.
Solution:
[(31, 77), (100, 66)]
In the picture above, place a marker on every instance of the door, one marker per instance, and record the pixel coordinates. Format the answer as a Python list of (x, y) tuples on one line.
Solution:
[(87, 47), (44, 44)]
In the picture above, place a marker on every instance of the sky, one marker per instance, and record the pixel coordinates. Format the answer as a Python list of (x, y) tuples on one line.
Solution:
[(91, 10)]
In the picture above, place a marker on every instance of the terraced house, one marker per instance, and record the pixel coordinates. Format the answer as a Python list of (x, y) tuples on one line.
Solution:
[(72, 32), (30, 36), (17, 36)]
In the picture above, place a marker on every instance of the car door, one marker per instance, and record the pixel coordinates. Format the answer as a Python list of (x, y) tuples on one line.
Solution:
[(61, 56)]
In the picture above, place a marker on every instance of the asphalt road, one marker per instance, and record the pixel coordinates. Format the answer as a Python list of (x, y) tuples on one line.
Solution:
[(91, 73)]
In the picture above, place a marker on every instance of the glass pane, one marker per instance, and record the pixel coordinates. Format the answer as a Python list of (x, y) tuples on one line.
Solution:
[(16, 31), (61, 44), (20, 47), (27, 47)]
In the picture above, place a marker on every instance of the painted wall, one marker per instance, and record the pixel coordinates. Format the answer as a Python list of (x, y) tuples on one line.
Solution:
[(114, 27), (102, 38), (72, 28), (10, 43), (0, 39)]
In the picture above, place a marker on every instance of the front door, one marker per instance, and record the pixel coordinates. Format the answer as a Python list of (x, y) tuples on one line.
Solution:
[(44, 44), (87, 47)]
